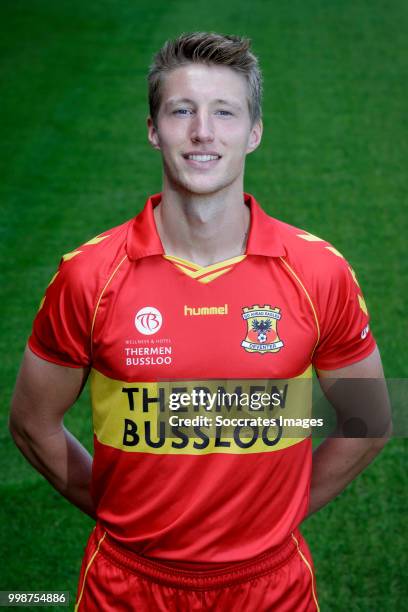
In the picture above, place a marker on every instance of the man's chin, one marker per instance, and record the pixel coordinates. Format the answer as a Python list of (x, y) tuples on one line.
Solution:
[(201, 188)]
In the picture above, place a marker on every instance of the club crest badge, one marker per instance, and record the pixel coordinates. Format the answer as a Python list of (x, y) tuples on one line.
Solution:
[(262, 333)]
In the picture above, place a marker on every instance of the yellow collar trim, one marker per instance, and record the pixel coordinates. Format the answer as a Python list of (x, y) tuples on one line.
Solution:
[(204, 274)]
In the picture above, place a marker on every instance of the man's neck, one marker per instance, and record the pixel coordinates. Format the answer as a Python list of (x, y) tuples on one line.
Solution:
[(203, 229)]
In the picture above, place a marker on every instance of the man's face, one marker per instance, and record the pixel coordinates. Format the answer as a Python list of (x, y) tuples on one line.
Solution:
[(203, 128)]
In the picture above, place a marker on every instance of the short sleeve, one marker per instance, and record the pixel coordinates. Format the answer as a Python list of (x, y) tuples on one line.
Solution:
[(62, 327), (345, 335)]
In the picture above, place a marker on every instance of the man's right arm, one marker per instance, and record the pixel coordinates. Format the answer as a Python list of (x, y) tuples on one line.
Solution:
[(44, 392)]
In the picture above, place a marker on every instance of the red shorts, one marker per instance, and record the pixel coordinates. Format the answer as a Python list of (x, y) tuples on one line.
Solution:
[(114, 579)]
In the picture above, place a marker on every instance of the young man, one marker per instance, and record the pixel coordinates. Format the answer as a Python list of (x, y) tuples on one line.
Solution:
[(202, 284)]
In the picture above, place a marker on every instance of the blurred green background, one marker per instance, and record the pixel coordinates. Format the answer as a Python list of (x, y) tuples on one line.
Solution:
[(75, 161)]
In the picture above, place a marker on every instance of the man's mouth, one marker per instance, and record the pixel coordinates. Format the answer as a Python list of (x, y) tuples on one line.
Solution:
[(202, 157)]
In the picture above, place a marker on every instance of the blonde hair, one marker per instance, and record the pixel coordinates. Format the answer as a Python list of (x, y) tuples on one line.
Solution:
[(207, 48)]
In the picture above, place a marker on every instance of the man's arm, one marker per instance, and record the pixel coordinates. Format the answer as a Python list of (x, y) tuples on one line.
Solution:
[(338, 460), (44, 392)]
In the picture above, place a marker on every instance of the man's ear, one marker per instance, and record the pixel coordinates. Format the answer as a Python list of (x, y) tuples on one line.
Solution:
[(152, 134), (255, 136)]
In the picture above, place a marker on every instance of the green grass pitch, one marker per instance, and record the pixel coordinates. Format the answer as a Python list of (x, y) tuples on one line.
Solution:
[(75, 161)]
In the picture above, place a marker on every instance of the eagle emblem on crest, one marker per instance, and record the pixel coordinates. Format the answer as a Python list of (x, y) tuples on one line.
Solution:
[(262, 333)]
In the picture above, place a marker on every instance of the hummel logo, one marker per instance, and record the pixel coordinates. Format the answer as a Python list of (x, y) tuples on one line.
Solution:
[(190, 311)]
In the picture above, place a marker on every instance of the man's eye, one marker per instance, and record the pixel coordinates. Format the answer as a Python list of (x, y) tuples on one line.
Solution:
[(224, 113), (183, 111)]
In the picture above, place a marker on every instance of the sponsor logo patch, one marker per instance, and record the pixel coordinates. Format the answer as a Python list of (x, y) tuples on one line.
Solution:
[(148, 320)]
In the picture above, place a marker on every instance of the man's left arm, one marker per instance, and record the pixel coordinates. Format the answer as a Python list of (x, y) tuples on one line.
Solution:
[(338, 460)]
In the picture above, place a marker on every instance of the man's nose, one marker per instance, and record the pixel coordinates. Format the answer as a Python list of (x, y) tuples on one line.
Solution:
[(202, 128)]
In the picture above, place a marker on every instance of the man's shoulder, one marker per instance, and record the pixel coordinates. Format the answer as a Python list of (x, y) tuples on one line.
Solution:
[(315, 262), (99, 252), (310, 254), (63, 324), (87, 267), (322, 270)]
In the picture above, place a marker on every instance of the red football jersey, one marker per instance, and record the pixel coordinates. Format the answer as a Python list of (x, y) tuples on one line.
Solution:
[(150, 325)]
